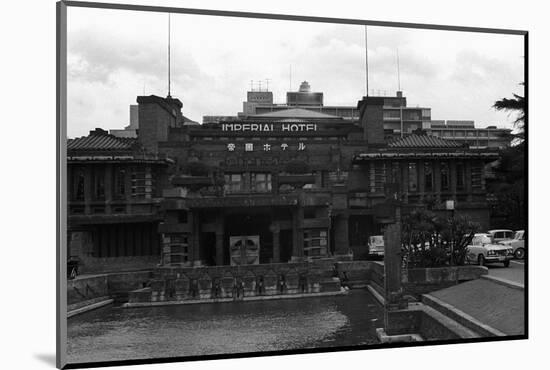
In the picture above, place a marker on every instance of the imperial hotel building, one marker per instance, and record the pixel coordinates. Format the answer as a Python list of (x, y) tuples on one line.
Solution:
[(273, 184)]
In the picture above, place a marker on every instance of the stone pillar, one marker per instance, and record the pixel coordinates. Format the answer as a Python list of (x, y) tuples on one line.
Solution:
[(392, 272), (88, 190), (437, 181), (297, 232), (421, 179), (276, 243), (452, 179), (108, 183), (220, 232), (468, 179), (128, 189), (194, 238), (341, 238), (372, 177), (219, 248), (404, 166)]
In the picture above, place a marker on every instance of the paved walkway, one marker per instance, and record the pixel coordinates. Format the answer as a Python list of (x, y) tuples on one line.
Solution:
[(494, 304)]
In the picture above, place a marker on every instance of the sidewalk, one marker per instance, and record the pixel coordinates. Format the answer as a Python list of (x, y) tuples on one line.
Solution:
[(490, 302)]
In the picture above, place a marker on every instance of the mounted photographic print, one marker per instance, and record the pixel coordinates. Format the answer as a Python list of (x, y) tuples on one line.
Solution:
[(240, 184)]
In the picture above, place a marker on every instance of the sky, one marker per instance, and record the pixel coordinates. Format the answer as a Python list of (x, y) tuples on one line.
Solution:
[(116, 55)]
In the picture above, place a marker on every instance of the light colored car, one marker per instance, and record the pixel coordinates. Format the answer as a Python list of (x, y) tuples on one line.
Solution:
[(500, 235), (376, 245), (517, 244), (482, 250)]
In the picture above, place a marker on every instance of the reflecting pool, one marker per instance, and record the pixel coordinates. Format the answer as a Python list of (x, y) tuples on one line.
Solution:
[(116, 333)]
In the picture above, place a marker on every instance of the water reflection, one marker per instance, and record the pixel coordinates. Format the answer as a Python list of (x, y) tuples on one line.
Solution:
[(115, 333)]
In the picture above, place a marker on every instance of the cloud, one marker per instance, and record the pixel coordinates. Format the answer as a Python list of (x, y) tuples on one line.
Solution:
[(113, 59)]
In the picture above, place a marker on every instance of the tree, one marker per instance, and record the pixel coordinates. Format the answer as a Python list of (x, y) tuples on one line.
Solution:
[(508, 189), (514, 105), (431, 241)]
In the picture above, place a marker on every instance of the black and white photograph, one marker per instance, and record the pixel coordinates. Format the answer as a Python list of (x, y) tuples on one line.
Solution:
[(242, 184)]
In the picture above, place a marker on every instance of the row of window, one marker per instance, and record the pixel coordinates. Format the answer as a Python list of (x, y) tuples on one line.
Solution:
[(257, 182), (141, 184), (381, 174)]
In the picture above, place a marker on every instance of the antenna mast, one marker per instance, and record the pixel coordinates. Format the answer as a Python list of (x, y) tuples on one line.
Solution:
[(398, 74), (169, 55), (290, 78), (366, 63), (399, 95)]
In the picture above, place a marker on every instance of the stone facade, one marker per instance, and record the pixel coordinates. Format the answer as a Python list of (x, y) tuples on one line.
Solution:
[(261, 189)]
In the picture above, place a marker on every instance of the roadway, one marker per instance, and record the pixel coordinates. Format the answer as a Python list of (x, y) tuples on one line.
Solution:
[(515, 272)]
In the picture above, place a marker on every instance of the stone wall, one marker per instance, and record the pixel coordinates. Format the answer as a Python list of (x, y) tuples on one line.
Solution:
[(116, 285), (361, 273), (421, 281), (219, 282), (93, 265)]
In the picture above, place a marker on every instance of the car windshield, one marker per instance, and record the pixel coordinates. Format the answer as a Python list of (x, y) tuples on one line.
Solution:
[(481, 239)]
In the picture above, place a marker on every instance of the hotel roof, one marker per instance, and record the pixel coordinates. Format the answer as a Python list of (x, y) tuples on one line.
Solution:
[(423, 141), (101, 140), (295, 113)]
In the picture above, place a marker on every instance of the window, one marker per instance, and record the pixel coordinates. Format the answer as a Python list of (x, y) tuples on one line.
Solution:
[(142, 183), (460, 176), (444, 176), (428, 177), (234, 182), (182, 217), (395, 173), (99, 184), (120, 183), (261, 182), (476, 177), (411, 115), (379, 176), (309, 213), (315, 243), (177, 249), (413, 177), (79, 186), (391, 114)]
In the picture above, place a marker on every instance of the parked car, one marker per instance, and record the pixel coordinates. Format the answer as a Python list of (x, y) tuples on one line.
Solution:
[(517, 244), (483, 250), (376, 246), (500, 235)]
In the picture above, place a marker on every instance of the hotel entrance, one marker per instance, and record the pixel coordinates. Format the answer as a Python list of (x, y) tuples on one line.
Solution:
[(248, 239)]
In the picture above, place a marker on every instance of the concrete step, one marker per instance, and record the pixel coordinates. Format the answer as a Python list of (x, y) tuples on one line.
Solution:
[(466, 321)]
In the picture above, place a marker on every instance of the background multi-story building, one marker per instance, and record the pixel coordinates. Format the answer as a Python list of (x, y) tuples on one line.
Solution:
[(399, 119)]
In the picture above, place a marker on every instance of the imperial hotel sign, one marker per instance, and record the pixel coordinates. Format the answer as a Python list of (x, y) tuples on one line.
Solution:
[(284, 127), (294, 183)]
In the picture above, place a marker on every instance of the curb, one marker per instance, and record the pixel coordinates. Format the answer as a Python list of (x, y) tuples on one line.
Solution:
[(376, 295), (400, 338), (89, 307), (461, 317), (507, 283)]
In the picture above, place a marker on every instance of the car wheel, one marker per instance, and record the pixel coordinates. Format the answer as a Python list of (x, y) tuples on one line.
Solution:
[(481, 260), (519, 253), (506, 263)]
